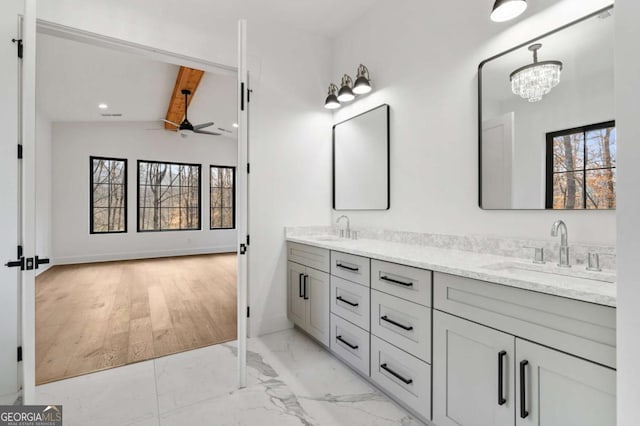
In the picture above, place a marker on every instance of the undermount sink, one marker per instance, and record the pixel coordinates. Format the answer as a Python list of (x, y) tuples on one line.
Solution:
[(548, 271), (327, 238)]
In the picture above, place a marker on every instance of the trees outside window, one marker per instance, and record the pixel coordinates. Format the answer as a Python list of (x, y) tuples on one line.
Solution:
[(223, 197), (108, 195), (581, 168), (168, 196)]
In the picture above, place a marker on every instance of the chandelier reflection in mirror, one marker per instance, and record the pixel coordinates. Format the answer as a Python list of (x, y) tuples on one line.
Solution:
[(533, 81)]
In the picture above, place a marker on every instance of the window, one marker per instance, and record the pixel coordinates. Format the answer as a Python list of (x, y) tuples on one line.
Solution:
[(581, 168), (223, 197), (108, 195), (168, 196)]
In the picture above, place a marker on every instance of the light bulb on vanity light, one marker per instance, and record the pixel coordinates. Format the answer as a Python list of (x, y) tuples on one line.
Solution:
[(362, 84), (346, 93), (505, 10), (332, 100)]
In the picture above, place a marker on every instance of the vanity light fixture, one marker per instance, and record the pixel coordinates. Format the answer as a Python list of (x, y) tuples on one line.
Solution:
[(533, 81), (346, 93), (362, 84), (332, 100), (505, 10)]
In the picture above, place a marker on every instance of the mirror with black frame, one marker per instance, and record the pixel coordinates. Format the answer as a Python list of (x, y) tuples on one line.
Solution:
[(546, 121), (361, 161)]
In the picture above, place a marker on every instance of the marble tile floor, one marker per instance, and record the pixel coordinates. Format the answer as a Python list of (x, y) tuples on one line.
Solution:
[(291, 381)]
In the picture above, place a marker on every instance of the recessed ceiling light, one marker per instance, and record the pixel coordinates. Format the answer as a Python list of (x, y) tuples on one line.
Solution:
[(103, 106), (235, 125)]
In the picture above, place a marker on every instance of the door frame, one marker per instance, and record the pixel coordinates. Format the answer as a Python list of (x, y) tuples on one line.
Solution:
[(32, 26)]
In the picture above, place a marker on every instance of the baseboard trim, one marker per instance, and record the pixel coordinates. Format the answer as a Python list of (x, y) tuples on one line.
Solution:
[(260, 327), (110, 257)]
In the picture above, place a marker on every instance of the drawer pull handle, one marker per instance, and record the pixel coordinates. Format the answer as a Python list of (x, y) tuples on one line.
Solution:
[(523, 389), (396, 375), (501, 399), (354, 347), (300, 291), (347, 267), (391, 280), (346, 301), (397, 324)]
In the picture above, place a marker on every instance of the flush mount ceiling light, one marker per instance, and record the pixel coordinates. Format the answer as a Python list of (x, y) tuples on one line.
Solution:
[(346, 93), (362, 84), (535, 80), (102, 105), (332, 100), (505, 10)]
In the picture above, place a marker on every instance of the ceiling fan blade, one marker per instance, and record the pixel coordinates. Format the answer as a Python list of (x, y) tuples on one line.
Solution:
[(171, 122), (224, 130), (203, 125), (205, 132)]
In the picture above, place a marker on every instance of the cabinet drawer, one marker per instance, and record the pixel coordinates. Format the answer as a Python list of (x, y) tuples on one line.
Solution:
[(350, 343), (409, 283), (404, 324), (350, 267), (314, 257), (402, 375), (350, 301), (579, 328)]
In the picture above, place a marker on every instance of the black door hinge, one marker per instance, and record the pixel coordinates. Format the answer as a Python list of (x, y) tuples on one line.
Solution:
[(243, 249), (248, 312), (248, 240), (19, 151), (20, 47), (249, 92), (248, 168), (242, 96), (19, 353)]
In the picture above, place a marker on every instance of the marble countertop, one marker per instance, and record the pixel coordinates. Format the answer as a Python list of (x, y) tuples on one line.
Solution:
[(513, 272)]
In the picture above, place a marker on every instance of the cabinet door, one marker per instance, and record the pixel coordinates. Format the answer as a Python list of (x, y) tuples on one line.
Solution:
[(560, 389), (295, 295), (468, 362), (317, 291)]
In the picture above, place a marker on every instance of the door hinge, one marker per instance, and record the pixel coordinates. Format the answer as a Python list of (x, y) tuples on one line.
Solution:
[(248, 240), (249, 92), (20, 46), (248, 168), (242, 96), (243, 249), (20, 151), (19, 353), (248, 312)]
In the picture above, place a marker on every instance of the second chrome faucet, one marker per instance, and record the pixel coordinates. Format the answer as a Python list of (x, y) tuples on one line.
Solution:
[(560, 227)]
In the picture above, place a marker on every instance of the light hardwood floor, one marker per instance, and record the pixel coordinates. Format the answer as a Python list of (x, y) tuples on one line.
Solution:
[(95, 316)]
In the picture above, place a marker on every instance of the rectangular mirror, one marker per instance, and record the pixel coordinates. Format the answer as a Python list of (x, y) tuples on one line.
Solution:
[(546, 121), (361, 161)]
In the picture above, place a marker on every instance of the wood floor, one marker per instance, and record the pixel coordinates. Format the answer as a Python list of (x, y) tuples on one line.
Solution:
[(95, 316)]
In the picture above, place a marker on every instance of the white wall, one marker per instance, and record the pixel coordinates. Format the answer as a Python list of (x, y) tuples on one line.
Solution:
[(43, 187), (74, 143), (290, 133), (423, 57), (628, 133)]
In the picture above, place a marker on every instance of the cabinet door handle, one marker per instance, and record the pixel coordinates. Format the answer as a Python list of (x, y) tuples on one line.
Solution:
[(391, 280), (348, 268), (396, 375), (300, 291), (501, 399), (346, 301), (354, 347), (306, 277), (523, 389), (397, 324)]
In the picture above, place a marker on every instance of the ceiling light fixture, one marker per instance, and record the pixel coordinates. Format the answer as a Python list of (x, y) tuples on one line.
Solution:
[(535, 80), (505, 10), (362, 84), (332, 100), (235, 125), (346, 93), (102, 105)]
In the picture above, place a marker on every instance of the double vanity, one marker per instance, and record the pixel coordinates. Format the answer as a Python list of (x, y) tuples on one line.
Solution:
[(460, 337)]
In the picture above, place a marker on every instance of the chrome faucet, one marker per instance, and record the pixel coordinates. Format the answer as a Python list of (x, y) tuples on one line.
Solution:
[(564, 245), (343, 232)]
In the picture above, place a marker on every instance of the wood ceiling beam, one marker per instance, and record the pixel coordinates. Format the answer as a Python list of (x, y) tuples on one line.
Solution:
[(188, 78)]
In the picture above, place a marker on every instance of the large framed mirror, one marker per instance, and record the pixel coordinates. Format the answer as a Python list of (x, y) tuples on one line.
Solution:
[(546, 120), (361, 161)]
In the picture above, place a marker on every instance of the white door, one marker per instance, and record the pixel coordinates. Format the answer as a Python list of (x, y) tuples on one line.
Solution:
[(559, 389), (9, 207), (317, 291), (497, 162), (242, 201), (472, 374), (296, 303)]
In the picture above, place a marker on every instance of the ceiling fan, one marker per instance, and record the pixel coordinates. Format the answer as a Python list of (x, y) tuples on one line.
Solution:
[(186, 128)]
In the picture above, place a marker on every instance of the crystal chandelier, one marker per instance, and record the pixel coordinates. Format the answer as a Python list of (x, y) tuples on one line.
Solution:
[(533, 81)]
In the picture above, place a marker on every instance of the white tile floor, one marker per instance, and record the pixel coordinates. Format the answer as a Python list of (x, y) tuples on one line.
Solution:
[(291, 381)]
